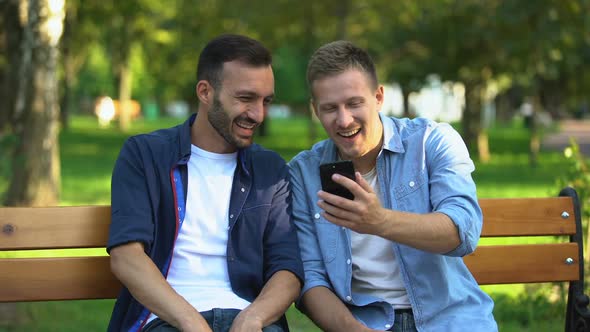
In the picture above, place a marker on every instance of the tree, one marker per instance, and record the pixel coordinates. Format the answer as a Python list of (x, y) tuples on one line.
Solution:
[(36, 167), (12, 33)]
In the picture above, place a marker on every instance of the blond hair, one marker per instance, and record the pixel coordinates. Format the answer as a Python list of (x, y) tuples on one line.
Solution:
[(337, 57)]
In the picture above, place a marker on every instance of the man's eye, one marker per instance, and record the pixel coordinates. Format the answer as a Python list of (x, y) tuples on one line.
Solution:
[(267, 101), (245, 98)]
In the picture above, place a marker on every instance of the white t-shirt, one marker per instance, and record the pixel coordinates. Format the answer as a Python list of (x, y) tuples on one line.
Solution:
[(198, 270), (375, 270)]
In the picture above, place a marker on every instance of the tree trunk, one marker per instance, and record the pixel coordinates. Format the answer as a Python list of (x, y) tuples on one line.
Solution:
[(483, 147), (125, 86), (69, 74), (342, 11), (535, 140), (36, 176), (471, 121), (308, 16), (406, 97), (13, 30)]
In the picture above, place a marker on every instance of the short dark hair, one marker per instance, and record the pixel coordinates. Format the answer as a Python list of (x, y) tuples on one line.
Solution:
[(227, 48), (335, 58)]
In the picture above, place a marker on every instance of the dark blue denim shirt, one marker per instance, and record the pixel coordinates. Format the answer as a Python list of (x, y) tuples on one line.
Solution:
[(148, 197)]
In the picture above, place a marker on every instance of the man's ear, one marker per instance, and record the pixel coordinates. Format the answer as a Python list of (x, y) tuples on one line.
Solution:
[(314, 108), (205, 92), (380, 96)]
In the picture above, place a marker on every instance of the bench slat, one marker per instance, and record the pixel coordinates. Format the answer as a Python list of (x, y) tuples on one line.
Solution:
[(523, 263), (54, 227), (33, 279), (41, 279), (27, 228), (515, 217)]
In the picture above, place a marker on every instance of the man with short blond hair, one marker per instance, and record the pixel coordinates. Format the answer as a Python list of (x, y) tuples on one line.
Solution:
[(391, 257)]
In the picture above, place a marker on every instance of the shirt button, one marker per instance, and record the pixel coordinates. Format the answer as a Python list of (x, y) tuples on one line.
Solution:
[(243, 189), (412, 183), (348, 261), (228, 227), (231, 216), (317, 216), (387, 326), (348, 298), (343, 228)]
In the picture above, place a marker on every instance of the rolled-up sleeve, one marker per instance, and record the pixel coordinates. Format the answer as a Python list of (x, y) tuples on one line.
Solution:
[(280, 239), (452, 189), (131, 211)]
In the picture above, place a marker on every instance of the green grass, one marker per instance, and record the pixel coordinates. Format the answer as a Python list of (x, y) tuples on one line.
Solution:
[(88, 154)]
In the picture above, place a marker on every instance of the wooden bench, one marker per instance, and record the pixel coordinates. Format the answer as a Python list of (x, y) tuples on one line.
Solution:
[(73, 278)]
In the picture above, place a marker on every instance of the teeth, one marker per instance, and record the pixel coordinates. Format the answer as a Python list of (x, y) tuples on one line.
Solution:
[(349, 133), (246, 125)]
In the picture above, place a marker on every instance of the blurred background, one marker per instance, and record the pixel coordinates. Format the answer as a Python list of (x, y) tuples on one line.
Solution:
[(77, 77)]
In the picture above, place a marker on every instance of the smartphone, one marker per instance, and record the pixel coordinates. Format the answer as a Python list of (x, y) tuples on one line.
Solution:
[(344, 168)]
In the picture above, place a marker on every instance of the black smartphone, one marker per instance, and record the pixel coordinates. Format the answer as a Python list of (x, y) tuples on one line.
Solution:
[(344, 168)]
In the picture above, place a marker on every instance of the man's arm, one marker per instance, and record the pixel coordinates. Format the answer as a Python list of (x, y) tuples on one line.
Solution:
[(274, 299), (318, 301), (455, 226), (140, 275), (433, 232), (328, 312)]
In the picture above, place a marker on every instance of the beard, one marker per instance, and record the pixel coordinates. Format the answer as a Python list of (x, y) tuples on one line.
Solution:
[(220, 121)]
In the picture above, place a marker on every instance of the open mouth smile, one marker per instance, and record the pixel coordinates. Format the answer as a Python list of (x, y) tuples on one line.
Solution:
[(350, 133), (246, 124)]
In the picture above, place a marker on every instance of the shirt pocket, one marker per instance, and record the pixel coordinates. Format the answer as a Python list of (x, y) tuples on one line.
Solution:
[(252, 221), (412, 193), (327, 235)]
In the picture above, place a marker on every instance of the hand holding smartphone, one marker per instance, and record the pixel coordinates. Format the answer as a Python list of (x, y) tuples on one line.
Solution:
[(344, 168)]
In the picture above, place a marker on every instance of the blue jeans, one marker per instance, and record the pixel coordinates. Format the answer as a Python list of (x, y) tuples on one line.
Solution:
[(219, 320), (404, 322)]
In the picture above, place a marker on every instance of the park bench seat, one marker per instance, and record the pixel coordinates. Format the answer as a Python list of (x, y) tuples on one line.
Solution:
[(74, 278)]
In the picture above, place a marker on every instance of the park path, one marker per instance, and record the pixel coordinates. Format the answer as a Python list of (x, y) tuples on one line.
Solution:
[(578, 129)]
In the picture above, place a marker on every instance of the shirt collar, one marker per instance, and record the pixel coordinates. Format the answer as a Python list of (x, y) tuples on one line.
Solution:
[(391, 135)]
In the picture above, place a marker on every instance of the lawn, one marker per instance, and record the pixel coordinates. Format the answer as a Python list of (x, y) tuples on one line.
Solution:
[(88, 154)]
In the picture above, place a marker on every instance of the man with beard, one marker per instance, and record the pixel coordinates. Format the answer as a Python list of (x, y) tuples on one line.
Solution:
[(390, 258), (201, 235)]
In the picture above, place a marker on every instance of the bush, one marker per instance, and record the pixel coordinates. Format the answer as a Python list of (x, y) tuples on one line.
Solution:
[(577, 176)]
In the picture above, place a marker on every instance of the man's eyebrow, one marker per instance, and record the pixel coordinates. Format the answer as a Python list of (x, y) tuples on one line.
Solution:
[(246, 93), (252, 94), (355, 98)]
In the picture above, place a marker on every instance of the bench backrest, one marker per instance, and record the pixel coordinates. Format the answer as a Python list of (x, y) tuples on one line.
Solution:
[(66, 278)]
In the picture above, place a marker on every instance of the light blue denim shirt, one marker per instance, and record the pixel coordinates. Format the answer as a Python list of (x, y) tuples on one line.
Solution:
[(423, 167)]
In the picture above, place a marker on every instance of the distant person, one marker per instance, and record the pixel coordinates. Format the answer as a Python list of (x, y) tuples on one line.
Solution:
[(527, 112), (390, 258), (201, 234)]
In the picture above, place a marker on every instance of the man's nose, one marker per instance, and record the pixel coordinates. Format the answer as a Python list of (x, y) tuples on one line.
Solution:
[(344, 117), (258, 111)]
